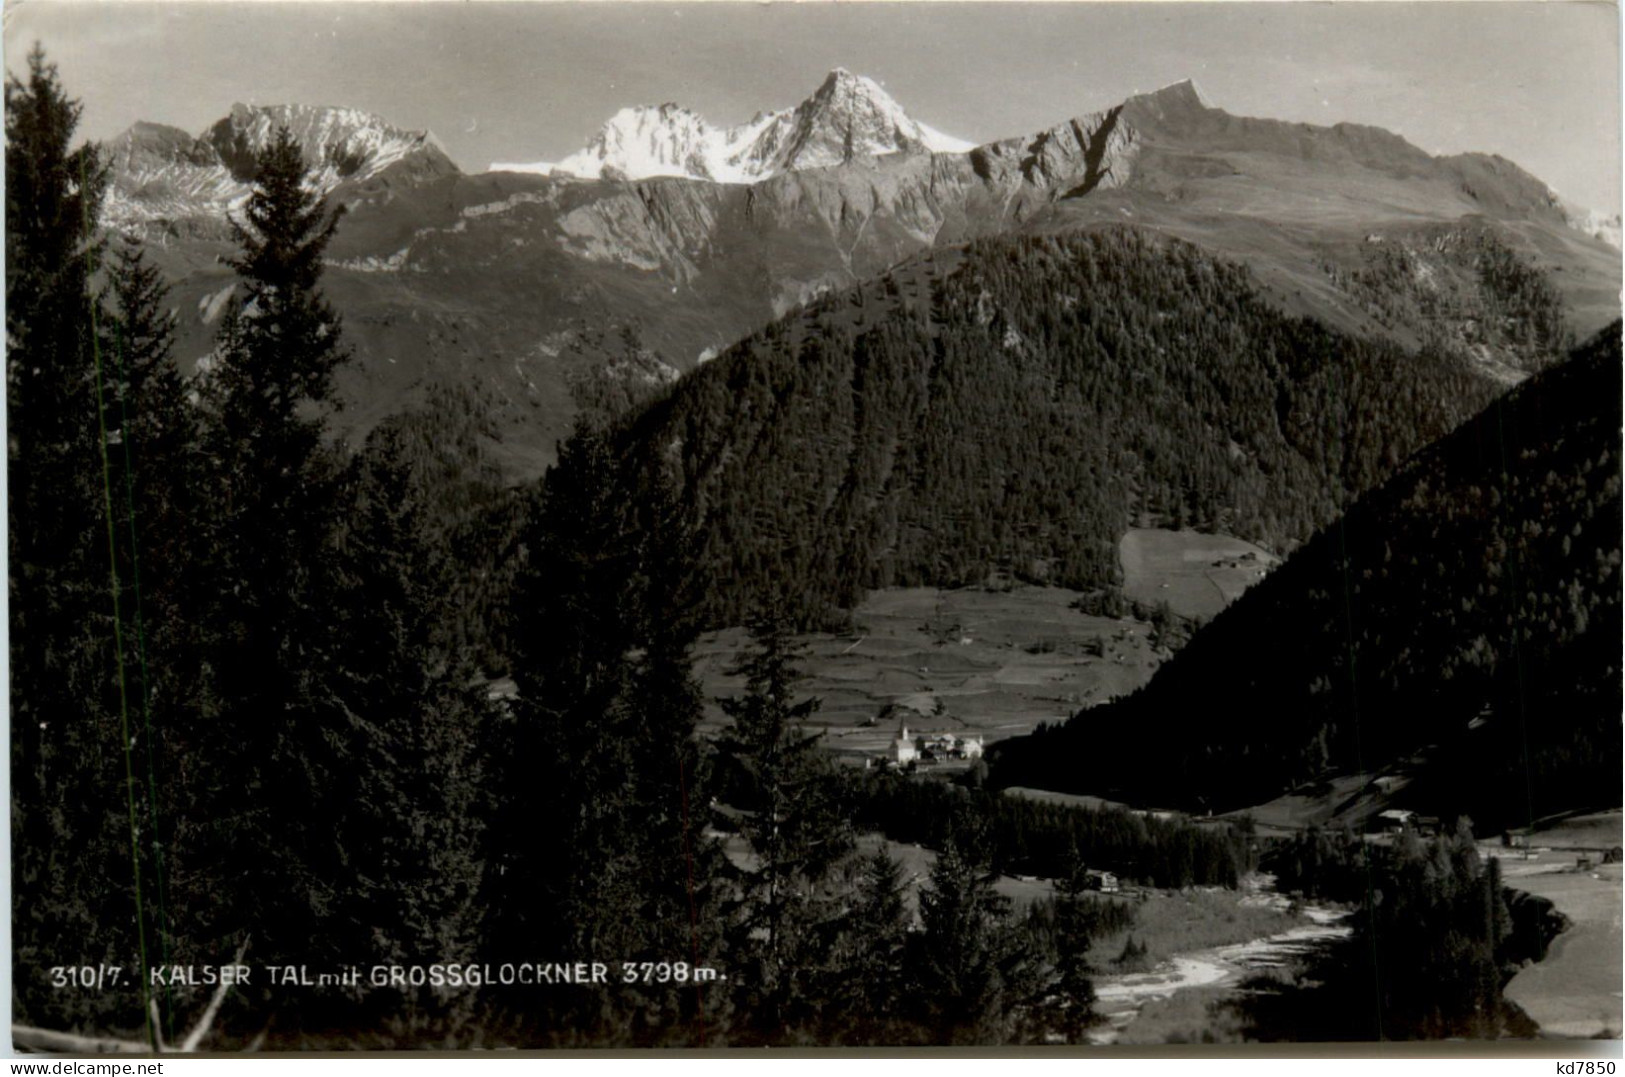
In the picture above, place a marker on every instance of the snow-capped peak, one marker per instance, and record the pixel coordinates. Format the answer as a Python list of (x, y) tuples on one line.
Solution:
[(848, 116), (645, 140)]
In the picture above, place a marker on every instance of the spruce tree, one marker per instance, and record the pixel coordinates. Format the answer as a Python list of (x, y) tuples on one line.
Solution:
[(156, 466), (793, 820), (1074, 988), (564, 746), (282, 767), (976, 973), (417, 722), (599, 848), (866, 992), (76, 888)]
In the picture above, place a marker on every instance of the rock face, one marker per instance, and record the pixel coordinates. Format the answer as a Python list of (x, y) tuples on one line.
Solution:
[(846, 118), (162, 175)]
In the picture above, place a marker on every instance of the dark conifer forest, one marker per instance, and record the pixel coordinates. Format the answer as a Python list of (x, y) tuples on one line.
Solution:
[(283, 700), (1426, 961), (1482, 582), (1007, 412)]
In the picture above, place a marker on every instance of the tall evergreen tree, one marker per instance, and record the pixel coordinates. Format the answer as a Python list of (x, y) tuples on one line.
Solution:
[(573, 629), (793, 820), (274, 788), (976, 972), (416, 729), (157, 470), (76, 889), (1074, 988), (866, 989), (600, 847)]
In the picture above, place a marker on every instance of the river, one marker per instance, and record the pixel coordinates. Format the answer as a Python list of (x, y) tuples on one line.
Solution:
[(1119, 998)]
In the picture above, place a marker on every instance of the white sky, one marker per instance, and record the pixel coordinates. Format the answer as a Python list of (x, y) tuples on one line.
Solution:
[(1538, 83)]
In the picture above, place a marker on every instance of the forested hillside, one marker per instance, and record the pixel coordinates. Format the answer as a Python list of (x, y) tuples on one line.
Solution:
[(356, 707), (1472, 603), (1008, 411)]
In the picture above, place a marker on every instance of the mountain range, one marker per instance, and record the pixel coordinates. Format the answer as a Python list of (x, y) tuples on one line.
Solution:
[(525, 286), (846, 118)]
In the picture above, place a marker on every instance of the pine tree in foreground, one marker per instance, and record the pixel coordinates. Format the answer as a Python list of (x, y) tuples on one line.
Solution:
[(411, 827), (865, 989), (600, 846), (77, 897), (280, 767), (1072, 1005), (157, 473), (977, 973), (791, 816)]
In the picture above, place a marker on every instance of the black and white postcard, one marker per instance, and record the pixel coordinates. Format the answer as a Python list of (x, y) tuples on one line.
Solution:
[(733, 525)]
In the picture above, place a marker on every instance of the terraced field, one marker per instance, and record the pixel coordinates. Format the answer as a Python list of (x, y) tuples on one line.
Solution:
[(991, 662)]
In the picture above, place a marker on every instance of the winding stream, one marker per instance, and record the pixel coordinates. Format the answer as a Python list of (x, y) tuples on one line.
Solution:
[(1120, 997)]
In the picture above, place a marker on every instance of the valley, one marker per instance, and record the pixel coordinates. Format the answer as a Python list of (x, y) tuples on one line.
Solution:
[(975, 662), (1144, 575), (993, 662)]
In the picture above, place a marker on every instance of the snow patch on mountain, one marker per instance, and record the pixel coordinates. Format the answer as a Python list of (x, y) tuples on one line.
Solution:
[(847, 117)]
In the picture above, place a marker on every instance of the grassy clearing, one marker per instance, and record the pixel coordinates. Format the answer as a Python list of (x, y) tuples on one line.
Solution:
[(1340, 801), (1597, 830), (1072, 800), (990, 661), (917, 862), (1194, 1015), (1576, 990), (1172, 922)]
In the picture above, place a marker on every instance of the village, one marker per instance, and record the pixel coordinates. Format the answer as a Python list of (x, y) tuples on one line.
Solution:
[(911, 751)]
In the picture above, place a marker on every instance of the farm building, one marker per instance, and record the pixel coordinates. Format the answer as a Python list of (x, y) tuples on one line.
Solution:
[(951, 746), (1104, 881), (1395, 819)]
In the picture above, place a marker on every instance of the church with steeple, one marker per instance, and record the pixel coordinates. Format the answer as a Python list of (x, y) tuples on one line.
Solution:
[(903, 750)]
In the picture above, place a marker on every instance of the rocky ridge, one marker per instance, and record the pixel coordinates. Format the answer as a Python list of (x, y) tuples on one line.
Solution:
[(164, 176)]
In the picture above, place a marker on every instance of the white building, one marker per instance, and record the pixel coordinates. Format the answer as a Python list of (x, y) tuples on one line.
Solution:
[(903, 750)]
